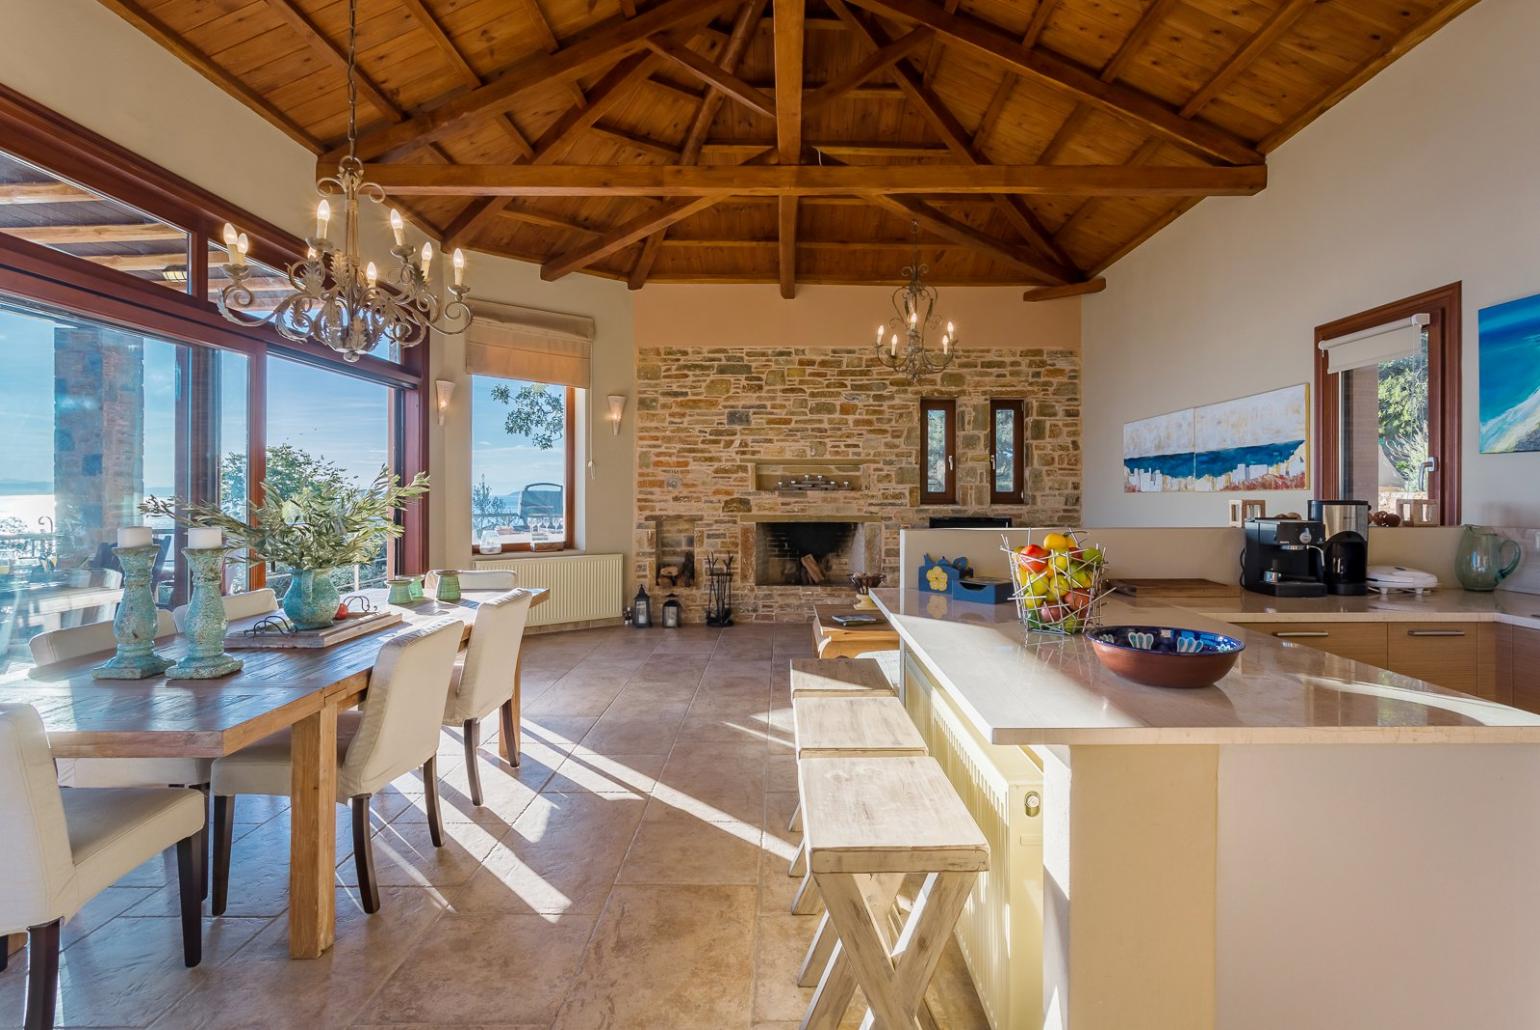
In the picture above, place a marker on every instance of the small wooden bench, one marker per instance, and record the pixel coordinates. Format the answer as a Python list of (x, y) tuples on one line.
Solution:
[(838, 677), (831, 640), (877, 820)]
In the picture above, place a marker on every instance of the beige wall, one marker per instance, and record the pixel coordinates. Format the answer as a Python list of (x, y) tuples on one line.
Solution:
[(841, 316), (1423, 177)]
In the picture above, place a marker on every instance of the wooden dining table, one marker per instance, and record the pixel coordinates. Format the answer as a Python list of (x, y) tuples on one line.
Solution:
[(298, 688)]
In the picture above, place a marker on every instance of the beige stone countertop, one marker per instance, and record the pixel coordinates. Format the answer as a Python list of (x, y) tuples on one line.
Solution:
[(1442, 605), (1043, 688)]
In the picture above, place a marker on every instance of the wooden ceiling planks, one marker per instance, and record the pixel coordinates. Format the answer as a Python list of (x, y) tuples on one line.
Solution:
[(1000, 84)]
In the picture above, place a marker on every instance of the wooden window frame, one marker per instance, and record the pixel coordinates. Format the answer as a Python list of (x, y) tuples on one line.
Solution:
[(34, 273), (569, 491), (1018, 464), (948, 405), (1443, 306)]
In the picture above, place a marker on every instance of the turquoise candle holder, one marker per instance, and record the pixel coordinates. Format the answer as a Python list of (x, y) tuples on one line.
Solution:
[(134, 625), (205, 623), (400, 590), (416, 588), (448, 589)]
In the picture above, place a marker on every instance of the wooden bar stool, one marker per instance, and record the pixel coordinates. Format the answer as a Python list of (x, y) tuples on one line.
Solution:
[(835, 677), (885, 818), (847, 727)]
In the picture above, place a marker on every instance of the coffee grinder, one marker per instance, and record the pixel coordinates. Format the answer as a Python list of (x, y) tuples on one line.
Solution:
[(1347, 544)]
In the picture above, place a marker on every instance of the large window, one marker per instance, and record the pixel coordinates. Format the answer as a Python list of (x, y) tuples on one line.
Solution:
[(98, 418), (1388, 410), (522, 459), (938, 451)]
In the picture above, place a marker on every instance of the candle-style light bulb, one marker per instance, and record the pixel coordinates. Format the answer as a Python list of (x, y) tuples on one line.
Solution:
[(893, 345), (372, 274), (230, 236), (914, 318), (946, 345), (459, 263), (427, 258), (879, 336), (397, 227), (242, 245), (951, 330), (323, 215)]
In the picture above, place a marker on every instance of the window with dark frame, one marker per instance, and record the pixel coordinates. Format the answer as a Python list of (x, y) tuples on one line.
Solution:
[(1387, 426), (124, 282), (938, 451), (1007, 480)]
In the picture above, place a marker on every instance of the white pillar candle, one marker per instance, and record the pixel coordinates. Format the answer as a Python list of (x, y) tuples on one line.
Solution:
[(134, 536), (203, 538)]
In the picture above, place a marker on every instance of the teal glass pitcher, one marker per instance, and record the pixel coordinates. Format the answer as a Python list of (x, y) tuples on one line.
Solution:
[(1485, 558)]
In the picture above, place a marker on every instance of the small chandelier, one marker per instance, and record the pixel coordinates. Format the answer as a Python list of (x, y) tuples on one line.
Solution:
[(914, 307), (333, 297)]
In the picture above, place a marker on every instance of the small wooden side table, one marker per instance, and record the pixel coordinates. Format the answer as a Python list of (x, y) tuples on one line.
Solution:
[(831, 640)]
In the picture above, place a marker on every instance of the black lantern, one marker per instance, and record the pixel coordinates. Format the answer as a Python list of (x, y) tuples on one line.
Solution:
[(671, 612), (641, 609)]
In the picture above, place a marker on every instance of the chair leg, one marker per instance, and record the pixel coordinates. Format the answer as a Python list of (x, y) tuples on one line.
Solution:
[(42, 975), (224, 836), (430, 796), (472, 736), (203, 838), (510, 733), (363, 855), (190, 880)]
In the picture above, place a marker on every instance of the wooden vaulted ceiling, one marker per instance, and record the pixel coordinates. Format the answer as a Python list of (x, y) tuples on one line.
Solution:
[(1031, 141)]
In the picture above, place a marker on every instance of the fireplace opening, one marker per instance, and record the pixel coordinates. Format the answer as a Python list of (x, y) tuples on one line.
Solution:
[(805, 553)]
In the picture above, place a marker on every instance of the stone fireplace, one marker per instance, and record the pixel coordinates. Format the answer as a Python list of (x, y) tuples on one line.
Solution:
[(811, 552)]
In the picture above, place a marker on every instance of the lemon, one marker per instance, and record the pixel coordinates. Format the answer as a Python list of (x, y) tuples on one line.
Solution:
[(1039, 585), (1058, 542)]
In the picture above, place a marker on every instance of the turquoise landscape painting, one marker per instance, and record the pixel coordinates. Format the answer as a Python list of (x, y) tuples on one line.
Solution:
[(1510, 376), (1251, 443)]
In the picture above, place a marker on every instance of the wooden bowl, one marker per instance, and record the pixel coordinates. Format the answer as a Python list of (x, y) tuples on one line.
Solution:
[(1164, 656)]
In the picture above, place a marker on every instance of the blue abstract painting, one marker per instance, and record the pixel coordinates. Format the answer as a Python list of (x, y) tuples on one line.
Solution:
[(1252, 443), (1158, 453), (1510, 376)]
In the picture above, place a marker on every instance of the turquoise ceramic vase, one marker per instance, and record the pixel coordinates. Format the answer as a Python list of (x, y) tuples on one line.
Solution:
[(311, 600)]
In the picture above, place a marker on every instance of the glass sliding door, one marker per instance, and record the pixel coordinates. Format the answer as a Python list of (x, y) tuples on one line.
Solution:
[(326, 427), (98, 418)]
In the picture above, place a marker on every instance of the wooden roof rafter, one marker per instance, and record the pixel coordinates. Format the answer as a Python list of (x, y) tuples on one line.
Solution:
[(789, 41)]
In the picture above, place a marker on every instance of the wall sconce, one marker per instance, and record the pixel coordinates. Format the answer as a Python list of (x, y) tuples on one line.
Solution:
[(617, 408), (446, 390)]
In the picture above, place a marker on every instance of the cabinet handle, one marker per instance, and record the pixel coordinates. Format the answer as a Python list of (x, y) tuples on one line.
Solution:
[(1435, 632), (1302, 633)]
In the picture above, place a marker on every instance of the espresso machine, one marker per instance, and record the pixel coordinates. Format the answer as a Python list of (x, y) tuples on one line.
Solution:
[(1347, 544), (1284, 557)]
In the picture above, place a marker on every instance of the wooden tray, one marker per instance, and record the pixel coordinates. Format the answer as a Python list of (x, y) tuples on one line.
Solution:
[(344, 629), (1171, 587)]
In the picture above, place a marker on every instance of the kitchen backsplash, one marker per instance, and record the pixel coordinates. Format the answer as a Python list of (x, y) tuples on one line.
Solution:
[(1526, 579)]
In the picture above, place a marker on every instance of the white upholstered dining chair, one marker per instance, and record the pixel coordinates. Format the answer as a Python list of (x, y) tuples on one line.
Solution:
[(61, 848), (237, 606), (483, 677), (396, 732), (489, 579)]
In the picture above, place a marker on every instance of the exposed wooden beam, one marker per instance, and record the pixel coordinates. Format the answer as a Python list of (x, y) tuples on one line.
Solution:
[(530, 216), (1143, 156), (870, 65), (1127, 246), (993, 111), (1090, 286), (468, 75), (63, 235), (1271, 32), (749, 17), (837, 148), (789, 40), (134, 13), (713, 75), (957, 139), (804, 180), (616, 86), (950, 228), (334, 55), (1139, 35), (659, 217), (1440, 17), (989, 43), (550, 44), (138, 262), (585, 53), (667, 151), (689, 243), (17, 193), (1038, 23)]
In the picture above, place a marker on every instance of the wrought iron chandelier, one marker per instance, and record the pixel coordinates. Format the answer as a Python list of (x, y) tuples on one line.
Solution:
[(333, 297), (914, 318)]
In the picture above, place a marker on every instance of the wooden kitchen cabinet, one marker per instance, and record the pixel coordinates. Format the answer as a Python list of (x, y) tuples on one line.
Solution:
[(1360, 641), (1522, 668), (1444, 653)]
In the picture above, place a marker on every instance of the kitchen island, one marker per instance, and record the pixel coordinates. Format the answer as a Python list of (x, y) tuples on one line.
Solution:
[(1313, 842)]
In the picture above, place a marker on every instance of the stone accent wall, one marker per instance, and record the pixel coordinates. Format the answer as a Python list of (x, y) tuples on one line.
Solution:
[(705, 415)]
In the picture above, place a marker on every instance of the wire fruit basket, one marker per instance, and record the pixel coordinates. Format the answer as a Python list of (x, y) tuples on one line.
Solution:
[(1059, 582)]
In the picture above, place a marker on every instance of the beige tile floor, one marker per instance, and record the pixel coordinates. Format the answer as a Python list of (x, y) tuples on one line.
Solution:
[(630, 874)]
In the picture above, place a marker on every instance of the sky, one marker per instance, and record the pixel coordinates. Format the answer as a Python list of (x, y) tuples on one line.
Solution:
[(509, 463)]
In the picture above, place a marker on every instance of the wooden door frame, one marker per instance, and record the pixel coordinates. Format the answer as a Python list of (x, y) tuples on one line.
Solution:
[(1443, 305)]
